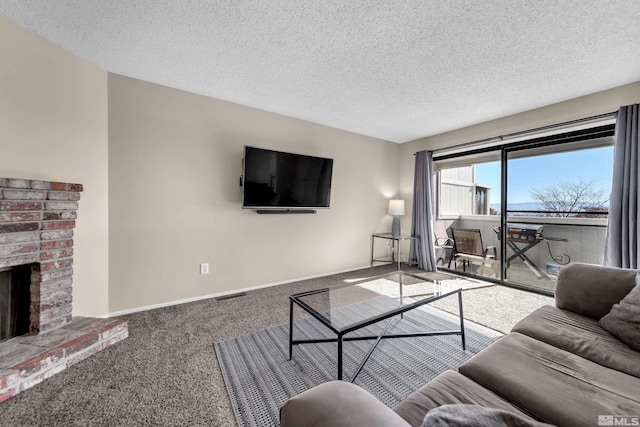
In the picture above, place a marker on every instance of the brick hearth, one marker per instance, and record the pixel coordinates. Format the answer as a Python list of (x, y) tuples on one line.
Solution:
[(30, 359), (37, 219)]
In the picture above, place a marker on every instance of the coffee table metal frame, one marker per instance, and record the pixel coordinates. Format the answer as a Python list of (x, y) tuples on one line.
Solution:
[(341, 332)]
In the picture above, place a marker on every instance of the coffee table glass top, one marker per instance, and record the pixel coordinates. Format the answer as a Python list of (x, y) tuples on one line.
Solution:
[(361, 301)]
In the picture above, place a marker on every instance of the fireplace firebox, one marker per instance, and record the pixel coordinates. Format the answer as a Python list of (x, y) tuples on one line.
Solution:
[(15, 301)]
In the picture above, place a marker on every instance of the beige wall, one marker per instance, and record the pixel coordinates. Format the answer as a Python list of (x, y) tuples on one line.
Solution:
[(586, 106), (174, 197), (53, 126)]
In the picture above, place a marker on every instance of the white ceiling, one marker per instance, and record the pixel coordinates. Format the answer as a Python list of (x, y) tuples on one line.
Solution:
[(393, 69)]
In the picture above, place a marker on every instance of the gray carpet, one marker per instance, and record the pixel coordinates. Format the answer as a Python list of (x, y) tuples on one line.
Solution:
[(260, 378), (166, 373)]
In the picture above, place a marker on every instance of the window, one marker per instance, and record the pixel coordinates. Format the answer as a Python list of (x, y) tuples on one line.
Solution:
[(482, 200)]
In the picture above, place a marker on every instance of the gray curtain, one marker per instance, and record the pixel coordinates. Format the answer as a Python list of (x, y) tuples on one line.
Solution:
[(422, 222), (621, 248)]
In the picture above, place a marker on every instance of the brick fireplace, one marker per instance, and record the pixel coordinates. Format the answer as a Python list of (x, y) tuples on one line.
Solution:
[(37, 219)]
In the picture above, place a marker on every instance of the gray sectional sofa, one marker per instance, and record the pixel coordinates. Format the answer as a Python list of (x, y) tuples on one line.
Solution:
[(557, 366)]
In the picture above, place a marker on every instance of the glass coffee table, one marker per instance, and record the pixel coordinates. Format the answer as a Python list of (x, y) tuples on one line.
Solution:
[(352, 306)]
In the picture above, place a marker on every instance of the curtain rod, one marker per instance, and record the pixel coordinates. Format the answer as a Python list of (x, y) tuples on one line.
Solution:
[(524, 132)]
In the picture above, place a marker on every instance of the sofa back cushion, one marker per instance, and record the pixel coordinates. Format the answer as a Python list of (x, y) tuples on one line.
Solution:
[(591, 290)]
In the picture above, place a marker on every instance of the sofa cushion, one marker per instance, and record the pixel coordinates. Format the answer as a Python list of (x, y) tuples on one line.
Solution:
[(591, 290), (448, 388), (580, 335), (477, 416), (551, 384), (623, 320)]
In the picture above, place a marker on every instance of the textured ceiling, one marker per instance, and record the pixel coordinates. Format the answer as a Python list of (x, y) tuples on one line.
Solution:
[(397, 70)]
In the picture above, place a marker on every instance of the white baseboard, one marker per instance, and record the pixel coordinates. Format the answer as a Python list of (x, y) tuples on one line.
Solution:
[(220, 294)]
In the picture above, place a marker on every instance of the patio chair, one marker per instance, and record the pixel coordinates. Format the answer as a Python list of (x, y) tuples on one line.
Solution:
[(468, 248), (444, 249)]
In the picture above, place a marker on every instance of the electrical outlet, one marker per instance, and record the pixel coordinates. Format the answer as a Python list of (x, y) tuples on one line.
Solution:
[(204, 268)]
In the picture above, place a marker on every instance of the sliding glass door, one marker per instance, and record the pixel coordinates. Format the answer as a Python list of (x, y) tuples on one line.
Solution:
[(517, 213)]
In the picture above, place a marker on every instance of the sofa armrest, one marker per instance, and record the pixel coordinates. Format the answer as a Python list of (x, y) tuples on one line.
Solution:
[(591, 290), (338, 404)]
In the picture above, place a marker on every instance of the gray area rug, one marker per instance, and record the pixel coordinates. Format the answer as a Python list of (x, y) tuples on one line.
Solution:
[(259, 378)]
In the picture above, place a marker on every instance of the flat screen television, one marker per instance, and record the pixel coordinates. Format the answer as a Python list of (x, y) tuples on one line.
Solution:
[(278, 180)]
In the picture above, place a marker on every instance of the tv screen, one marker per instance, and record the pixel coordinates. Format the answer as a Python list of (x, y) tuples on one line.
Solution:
[(273, 179)]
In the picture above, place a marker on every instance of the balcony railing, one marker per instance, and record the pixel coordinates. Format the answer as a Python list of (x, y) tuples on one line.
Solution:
[(561, 214), (585, 238)]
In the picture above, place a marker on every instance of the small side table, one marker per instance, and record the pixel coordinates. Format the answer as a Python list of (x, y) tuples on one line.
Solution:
[(395, 246)]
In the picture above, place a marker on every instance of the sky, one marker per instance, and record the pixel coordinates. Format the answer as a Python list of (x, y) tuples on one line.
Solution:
[(526, 174)]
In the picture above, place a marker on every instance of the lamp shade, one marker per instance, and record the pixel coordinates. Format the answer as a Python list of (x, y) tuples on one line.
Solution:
[(396, 207)]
